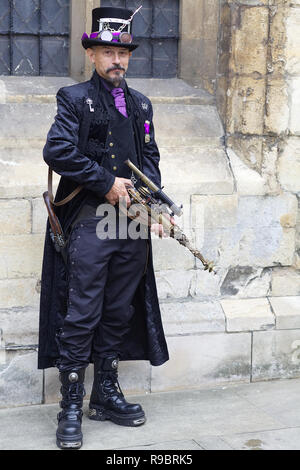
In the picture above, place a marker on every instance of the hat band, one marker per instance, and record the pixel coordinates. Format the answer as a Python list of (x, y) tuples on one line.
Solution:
[(110, 36)]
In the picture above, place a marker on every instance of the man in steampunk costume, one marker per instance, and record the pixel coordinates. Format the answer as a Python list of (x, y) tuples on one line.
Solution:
[(99, 301)]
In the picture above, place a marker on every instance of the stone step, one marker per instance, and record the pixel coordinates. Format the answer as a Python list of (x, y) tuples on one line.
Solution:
[(43, 90), (25, 121), (31, 89), (188, 135), (186, 125), (196, 170), (172, 91), (185, 171), (176, 125)]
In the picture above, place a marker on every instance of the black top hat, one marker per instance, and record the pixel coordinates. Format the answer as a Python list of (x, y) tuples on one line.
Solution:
[(111, 27)]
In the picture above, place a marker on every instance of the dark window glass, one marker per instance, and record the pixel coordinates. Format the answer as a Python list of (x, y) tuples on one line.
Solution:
[(156, 30), (34, 37)]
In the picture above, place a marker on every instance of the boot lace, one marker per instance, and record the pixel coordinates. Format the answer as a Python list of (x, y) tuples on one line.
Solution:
[(72, 395), (110, 384)]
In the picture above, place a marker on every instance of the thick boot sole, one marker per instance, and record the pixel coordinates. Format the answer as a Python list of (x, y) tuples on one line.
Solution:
[(101, 414), (68, 443)]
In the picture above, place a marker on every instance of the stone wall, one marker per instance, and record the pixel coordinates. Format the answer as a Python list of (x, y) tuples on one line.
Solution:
[(258, 94), (258, 83)]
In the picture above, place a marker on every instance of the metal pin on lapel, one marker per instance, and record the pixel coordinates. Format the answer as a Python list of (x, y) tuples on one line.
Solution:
[(90, 102)]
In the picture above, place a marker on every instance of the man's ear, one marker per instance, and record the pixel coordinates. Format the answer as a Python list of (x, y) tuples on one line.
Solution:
[(91, 54)]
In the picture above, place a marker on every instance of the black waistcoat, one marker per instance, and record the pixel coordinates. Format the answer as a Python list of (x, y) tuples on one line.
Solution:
[(120, 143), (111, 138)]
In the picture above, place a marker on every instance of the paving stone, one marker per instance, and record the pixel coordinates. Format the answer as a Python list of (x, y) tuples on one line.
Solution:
[(278, 439), (27, 428), (277, 398), (213, 443), (20, 382), (212, 419), (169, 445)]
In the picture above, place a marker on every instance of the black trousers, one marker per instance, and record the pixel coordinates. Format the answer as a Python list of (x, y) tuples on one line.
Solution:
[(103, 278)]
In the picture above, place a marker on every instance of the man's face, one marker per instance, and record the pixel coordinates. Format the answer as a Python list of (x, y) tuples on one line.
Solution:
[(111, 62)]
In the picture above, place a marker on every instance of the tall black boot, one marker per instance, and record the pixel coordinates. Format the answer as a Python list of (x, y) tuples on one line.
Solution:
[(68, 434), (107, 400)]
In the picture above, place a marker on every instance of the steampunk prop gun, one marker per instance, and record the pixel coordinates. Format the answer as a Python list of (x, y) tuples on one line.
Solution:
[(160, 208)]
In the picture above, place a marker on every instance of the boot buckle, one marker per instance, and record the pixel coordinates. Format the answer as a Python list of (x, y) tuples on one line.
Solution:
[(73, 377), (115, 363), (97, 414)]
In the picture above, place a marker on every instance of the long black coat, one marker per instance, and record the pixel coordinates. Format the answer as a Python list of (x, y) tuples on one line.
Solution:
[(64, 153)]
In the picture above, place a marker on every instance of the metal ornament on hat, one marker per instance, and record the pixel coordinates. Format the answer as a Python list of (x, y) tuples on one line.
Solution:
[(108, 34)]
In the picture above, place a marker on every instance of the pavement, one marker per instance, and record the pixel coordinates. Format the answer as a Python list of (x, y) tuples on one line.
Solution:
[(252, 416)]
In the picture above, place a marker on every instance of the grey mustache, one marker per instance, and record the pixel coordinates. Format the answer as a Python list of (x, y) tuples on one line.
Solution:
[(115, 68)]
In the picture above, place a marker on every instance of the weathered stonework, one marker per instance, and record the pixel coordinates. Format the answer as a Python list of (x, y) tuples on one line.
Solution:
[(235, 166), (289, 165)]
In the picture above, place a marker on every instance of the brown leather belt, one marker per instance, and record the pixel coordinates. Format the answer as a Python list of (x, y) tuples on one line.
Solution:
[(56, 231), (50, 192)]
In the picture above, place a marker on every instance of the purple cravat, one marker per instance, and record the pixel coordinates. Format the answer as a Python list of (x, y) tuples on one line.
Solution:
[(118, 94)]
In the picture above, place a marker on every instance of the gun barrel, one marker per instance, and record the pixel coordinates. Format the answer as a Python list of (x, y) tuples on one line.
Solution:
[(158, 192), (143, 177)]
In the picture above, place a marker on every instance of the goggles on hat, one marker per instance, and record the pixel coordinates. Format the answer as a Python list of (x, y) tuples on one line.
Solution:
[(110, 36)]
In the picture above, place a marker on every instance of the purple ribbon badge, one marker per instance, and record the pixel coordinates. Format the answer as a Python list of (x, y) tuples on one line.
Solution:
[(147, 132)]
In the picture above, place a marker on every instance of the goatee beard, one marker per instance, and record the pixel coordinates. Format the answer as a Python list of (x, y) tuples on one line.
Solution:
[(117, 79)]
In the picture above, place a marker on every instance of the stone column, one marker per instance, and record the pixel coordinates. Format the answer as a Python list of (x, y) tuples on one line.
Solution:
[(81, 21)]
